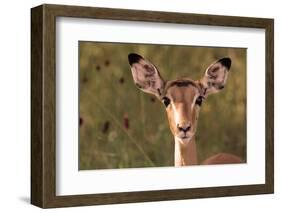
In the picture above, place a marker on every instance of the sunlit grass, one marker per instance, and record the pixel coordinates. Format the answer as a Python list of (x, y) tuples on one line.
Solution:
[(121, 127)]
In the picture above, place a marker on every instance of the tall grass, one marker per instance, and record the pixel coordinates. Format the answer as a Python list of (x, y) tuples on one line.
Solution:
[(121, 127)]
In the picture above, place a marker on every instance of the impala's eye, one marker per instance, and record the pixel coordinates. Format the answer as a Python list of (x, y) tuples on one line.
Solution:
[(199, 100), (166, 101)]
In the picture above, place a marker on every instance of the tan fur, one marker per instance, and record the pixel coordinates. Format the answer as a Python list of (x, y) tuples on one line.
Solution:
[(186, 154), (222, 158), (182, 99), (182, 110)]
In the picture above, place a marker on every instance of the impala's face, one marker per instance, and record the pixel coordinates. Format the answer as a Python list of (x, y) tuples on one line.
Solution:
[(182, 98)]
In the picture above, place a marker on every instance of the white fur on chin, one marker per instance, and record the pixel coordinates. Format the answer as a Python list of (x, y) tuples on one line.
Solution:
[(184, 141)]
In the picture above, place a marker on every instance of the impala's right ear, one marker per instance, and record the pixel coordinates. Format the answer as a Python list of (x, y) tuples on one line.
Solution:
[(145, 75)]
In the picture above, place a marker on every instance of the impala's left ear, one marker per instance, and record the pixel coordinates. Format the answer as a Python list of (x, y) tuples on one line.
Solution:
[(215, 76)]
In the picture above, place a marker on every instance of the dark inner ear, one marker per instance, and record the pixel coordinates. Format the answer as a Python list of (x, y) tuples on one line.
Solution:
[(134, 58), (225, 62)]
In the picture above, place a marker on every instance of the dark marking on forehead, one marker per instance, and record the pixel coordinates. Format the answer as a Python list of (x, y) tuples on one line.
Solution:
[(183, 83)]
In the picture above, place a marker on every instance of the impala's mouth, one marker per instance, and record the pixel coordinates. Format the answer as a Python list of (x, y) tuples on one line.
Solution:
[(185, 137)]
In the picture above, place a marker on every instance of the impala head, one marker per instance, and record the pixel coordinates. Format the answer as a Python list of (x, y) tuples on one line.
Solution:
[(182, 98)]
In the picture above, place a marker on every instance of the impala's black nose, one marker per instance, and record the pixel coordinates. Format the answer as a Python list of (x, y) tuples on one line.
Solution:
[(184, 128)]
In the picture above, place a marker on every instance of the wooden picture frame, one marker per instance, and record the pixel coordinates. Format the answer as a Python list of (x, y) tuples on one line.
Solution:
[(43, 105)]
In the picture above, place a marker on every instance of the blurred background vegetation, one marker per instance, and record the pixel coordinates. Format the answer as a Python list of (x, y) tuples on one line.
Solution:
[(122, 127)]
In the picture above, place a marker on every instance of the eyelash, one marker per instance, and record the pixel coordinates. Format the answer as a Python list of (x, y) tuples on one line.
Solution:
[(166, 101)]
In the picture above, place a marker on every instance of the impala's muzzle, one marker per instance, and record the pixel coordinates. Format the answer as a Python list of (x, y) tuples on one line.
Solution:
[(184, 131)]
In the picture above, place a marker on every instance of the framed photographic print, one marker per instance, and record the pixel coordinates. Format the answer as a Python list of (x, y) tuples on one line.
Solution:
[(116, 99)]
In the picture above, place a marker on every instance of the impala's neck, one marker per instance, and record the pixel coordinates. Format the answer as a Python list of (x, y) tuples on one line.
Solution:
[(185, 154)]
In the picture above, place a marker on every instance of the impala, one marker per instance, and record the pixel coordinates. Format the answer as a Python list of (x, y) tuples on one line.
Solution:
[(182, 99)]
